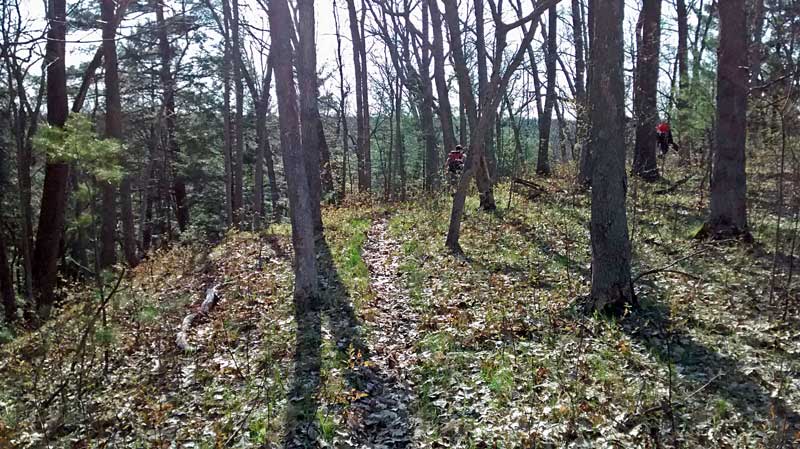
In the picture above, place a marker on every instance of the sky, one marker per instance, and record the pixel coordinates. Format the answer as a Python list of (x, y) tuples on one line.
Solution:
[(81, 44)]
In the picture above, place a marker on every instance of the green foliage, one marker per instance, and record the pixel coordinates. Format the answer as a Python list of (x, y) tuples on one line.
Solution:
[(77, 143), (6, 335)]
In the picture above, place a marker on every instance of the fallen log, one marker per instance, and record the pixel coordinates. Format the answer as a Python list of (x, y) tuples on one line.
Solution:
[(212, 296), (536, 189)]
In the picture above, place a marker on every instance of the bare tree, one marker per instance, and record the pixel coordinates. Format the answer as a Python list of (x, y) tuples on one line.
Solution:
[(445, 110), (481, 121), (612, 288), (545, 120), (362, 99), (728, 212), (309, 113), (648, 36), (306, 300)]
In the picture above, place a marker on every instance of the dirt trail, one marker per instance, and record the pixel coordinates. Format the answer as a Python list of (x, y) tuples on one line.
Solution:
[(386, 416)]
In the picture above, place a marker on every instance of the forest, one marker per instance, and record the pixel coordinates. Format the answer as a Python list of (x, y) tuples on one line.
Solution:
[(399, 224)]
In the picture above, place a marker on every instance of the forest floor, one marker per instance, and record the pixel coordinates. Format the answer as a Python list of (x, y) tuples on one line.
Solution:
[(422, 349)]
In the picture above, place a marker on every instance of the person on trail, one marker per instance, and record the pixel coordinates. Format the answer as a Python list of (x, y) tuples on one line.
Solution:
[(664, 136), (455, 164), (455, 159)]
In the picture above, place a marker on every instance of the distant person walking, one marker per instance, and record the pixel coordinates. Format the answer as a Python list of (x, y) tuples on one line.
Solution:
[(664, 136), (455, 163)]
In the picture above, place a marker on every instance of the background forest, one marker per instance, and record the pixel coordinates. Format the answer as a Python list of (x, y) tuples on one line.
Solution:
[(230, 223)]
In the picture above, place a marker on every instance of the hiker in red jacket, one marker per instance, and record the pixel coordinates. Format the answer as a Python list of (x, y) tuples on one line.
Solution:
[(455, 159), (455, 164), (664, 136)]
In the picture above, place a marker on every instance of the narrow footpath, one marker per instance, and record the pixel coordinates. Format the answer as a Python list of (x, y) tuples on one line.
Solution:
[(387, 419)]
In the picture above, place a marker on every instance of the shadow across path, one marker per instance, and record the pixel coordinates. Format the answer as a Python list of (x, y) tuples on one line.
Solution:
[(378, 413)]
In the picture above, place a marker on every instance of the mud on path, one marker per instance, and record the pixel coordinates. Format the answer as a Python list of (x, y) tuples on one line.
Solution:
[(386, 415)]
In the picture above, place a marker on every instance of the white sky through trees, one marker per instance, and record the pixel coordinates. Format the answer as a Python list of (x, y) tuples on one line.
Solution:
[(82, 44)]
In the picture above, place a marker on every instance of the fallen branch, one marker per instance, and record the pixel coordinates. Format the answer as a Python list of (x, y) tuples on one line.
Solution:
[(667, 268), (536, 189), (205, 308)]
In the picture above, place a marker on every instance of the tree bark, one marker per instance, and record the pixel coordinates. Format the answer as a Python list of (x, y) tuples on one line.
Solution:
[(168, 109), (309, 112), (7, 298), (581, 125), (645, 97), (445, 109), (54, 191), (306, 298), (432, 163), (728, 213), (683, 42), (114, 131), (399, 151), (490, 157), (342, 102), (238, 123), (585, 171), (545, 121), (326, 173), (612, 288), (362, 108), (227, 125), (18, 121), (479, 124), (756, 35)]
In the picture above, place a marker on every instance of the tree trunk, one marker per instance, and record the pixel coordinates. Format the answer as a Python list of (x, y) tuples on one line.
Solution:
[(261, 97), (168, 109), (399, 151), (728, 214), (23, 156), (488, 108), (432, 163), (362, 126), (612, 288), (309, 113), (490, 157), (545, 121), (7, 298), (227, 125), (445, 110), (326, 173), (645, 96), (581, 125), (683, 42), (238, 124), (54, 191), (683, 73), (114, 131), (585, 171), (756, 46), (128, 228), (306, 300), (342, 101)]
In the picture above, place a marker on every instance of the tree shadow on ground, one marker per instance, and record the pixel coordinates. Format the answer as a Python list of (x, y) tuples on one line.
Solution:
[(378, 413), (713, 374)]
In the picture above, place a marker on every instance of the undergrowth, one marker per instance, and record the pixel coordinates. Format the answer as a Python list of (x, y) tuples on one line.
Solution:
[(504, 356)]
